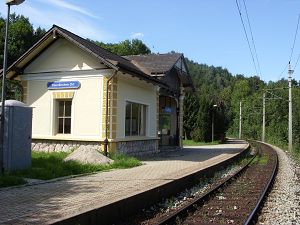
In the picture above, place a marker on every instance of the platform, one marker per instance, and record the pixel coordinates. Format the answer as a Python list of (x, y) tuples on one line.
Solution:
[(55, 201)]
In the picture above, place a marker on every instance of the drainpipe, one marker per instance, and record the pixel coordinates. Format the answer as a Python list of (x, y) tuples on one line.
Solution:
[(106, 112), (181, 102)]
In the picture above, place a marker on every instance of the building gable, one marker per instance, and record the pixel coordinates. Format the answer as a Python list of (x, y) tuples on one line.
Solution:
[(98, 54), (181, 65), (63, 56)]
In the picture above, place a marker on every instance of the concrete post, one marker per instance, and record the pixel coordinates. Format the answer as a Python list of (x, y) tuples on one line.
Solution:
[(264, 118), (290, 109), (240, 124), (181, 102)]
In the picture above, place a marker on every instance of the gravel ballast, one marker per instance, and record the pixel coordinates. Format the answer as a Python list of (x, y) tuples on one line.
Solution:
[(283, 203)]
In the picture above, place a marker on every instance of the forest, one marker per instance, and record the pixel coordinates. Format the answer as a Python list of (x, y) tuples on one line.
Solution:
[(217, 86), (217, 95)]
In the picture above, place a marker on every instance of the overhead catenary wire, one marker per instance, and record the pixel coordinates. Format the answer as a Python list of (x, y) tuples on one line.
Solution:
[(297, 61), (280, 75), (252, 38), (276, 96), (245, 31), (292, 49), (295, 38)]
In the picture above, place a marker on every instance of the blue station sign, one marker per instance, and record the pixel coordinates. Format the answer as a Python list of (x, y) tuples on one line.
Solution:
[(168, 109), (63, 85)]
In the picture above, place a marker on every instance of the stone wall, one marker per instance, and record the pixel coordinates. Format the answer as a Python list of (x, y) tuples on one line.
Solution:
[(138, 148), (133, 148), (60, 146)]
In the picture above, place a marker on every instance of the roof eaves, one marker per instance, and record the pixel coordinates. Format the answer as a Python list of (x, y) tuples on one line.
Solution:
[(30, 50), (143, 76), (159, 72)]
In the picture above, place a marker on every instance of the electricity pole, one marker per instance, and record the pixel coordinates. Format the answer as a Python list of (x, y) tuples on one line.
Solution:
[(9, 3), (240, 126), (264, 118), (290, 72), (213, 123)]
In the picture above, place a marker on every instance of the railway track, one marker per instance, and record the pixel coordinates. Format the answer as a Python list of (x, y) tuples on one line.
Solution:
[(236, 200)]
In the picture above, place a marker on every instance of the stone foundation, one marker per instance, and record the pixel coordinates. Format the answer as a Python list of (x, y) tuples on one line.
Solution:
[(138, 148), (133, 148), (60, 146)]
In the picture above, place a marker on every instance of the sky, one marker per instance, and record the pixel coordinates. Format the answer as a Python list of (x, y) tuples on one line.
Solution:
[(205, 31)]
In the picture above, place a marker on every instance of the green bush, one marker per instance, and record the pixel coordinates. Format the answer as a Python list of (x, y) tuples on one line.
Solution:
[(198, 135), (201, 135)]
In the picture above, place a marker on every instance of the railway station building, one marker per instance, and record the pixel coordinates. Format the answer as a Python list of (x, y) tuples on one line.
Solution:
[(82, 94)]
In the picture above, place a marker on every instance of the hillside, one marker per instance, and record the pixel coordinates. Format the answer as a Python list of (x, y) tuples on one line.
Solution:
[(217, 86)]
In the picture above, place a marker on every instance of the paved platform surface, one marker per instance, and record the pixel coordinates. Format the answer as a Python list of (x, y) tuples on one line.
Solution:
[(46, 203)]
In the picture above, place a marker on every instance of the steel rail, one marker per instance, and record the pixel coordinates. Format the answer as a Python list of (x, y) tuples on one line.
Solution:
[(197, 200), (263, 195), (182, 212)]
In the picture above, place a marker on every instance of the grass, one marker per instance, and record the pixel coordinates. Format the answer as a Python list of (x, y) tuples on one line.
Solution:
[(244, 159), (193, 143), (296, 155), (123, 162), (46, 166), (7, 180), (260, 159)]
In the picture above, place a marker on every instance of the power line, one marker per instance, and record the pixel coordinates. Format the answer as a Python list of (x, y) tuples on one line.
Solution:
[(237, 4), (276, 96), (297, 62), (292, 50), (280, 75), (253, 42), (295, 37)]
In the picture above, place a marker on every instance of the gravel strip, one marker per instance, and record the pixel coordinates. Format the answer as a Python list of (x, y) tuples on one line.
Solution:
[(168, 205), (283, 203), (197, 190)]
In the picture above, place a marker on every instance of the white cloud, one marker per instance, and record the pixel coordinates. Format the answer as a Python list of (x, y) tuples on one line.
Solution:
[(66, 5), (136, 35), (63, 14), (78, 24)]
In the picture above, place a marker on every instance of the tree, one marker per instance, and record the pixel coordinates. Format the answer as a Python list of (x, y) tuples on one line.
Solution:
[(202, 128), (14, 89), (213, 87), (191, 107), (21, 37), (127, 47)]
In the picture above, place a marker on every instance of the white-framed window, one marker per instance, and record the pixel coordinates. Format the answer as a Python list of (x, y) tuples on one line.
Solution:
[(135, 119), (64, 116)]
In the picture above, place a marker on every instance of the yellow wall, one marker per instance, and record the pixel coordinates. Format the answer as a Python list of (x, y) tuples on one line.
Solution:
[(135, 90), (65, 62), (86, 108), (62, 56), (39, 98)]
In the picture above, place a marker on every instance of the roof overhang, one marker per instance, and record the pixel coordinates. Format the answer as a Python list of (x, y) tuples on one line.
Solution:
[(46, 41), (53, 35)]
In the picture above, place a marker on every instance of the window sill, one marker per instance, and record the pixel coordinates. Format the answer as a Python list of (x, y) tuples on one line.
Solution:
[(67, 137), (136, 138)]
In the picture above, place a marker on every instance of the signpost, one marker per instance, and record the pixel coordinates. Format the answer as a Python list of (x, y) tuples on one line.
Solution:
[(63, 85)]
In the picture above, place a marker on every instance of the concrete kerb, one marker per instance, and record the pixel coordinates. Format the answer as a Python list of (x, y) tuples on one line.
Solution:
[(113, 212)]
